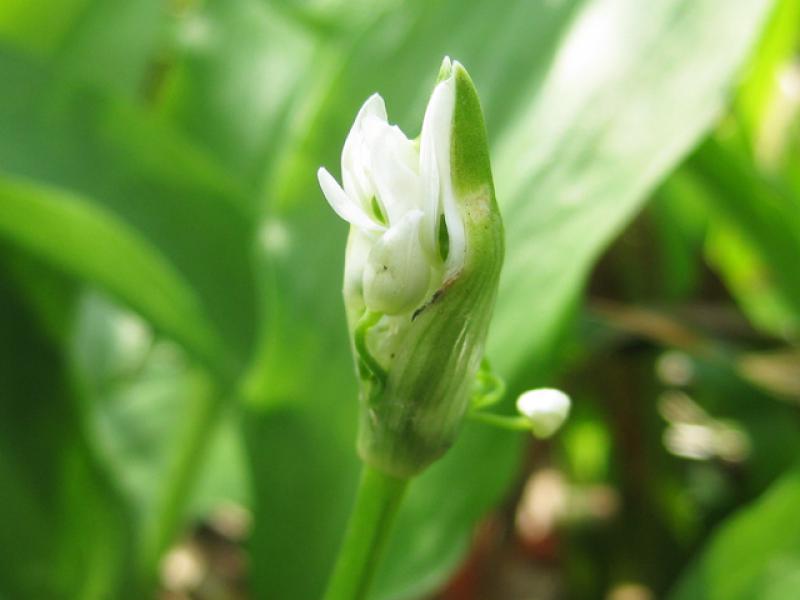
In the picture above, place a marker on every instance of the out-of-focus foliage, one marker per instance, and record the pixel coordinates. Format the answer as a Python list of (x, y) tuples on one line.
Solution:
[(756, 553), (172, 332)]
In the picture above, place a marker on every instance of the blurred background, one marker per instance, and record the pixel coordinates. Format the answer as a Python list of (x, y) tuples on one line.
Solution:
[(177, 400)]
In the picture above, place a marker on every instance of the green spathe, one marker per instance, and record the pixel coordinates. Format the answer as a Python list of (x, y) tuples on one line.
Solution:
[(413, 405)]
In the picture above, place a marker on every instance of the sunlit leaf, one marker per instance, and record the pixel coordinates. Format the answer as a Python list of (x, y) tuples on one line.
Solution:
[(755, 237), (754, 554)]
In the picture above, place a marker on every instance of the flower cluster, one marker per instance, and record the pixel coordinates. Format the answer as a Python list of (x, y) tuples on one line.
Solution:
[(421, 269), (398, 195)]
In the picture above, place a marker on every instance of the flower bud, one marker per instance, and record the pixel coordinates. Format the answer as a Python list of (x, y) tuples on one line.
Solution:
[(422, 267), (546, 410), (396, 275)]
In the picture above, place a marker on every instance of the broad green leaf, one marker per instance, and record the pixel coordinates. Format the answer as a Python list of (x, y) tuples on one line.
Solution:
[(113, 46), (64, 531), (762, 104), (754, 554), (38, 27), (588, 105), (76, 235), (631, 89), (142, 392), (141, 171), (755, 237), (248, 72), (240, 68)]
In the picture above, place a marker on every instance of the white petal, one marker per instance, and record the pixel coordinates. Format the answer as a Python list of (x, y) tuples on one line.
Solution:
[(394, 164), (355, 177), (344, 206), (431, 193), (397, 272), (435, 149)]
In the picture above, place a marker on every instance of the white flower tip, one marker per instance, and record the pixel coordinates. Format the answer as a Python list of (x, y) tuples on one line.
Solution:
[(344, 206), (545, 408), (374, 105), (326, 182)]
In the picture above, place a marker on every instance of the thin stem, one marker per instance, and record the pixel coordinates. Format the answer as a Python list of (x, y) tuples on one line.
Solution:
[(514, 423), (364, 325), (199, 425), (376, 505)]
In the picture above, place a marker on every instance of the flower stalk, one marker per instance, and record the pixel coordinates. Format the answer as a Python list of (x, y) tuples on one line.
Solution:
[(377, 501)]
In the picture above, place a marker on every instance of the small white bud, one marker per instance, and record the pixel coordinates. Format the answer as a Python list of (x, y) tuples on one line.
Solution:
[(545, 408), (396, 275)]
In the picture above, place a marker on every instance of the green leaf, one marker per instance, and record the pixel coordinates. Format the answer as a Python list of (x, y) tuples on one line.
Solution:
[(754, 554), (76, 235), (112, 45), (755, 237), (631, 89), (64, 531), (758, 102), (38, 27), (240, 68), (158, 422), (141, 171)]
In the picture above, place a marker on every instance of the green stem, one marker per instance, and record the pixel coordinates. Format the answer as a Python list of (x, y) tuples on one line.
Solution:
[(364, 325), (200, 421), (514, 423), (377, 501)]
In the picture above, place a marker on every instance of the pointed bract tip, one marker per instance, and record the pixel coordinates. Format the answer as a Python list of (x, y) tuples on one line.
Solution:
[(460, 73), (374, 105)]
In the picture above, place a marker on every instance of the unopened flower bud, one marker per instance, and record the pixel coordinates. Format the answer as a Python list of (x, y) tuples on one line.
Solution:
[(422, 266), (546, 410)]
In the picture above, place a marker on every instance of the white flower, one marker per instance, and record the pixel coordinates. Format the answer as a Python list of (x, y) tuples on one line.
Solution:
[(398, 197), (546, 409)]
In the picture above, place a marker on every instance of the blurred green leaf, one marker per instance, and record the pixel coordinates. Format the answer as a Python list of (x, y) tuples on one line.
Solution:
[(141, 388), (754, 554), (144, 174), (64, 529), (755, 237), (149, 411), (112, 45), (239, 69), (763, 102), (38, 27), (631, 90), (680, 222), (69, 231)]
